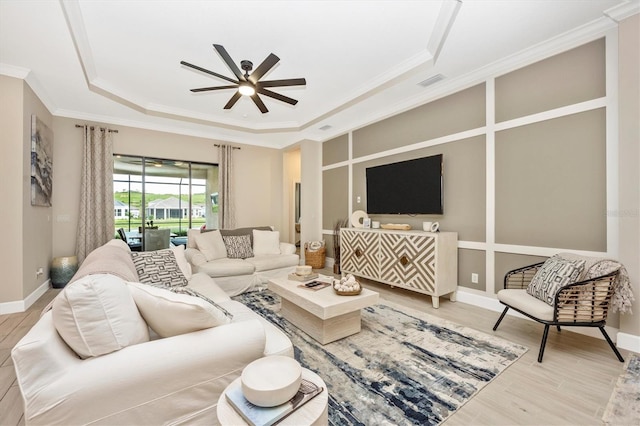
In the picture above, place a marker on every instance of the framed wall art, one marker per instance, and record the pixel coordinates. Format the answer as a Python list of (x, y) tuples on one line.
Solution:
[(41, 163)]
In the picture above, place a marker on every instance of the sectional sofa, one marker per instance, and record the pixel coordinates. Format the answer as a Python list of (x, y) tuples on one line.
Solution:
[(111, 349)]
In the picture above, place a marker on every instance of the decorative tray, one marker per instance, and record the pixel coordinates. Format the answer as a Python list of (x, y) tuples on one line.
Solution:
[(400, 226), (302, 278)]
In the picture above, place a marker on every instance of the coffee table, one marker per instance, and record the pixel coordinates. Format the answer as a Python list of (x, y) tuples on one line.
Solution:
[(314, 412), (322, 314)]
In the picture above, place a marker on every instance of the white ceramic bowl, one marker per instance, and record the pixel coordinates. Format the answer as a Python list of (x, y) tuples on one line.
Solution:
[(271, 381)]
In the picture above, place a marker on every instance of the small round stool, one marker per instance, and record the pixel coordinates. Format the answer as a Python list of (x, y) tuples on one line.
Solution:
[(62, 270)]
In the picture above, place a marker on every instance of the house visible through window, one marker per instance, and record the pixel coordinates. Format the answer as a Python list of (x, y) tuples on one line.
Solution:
[(152, 193)]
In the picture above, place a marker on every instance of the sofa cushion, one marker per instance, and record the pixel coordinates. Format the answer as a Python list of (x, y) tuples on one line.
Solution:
[(554, 274), (277, 343), (226, 267), (211, 245), (266, 242), (113, 258), (171, 314), (273, 261), (158, 267), (238, 246), (244, 231), (183, 263), (520, 299), (204, 284), (96, 315)]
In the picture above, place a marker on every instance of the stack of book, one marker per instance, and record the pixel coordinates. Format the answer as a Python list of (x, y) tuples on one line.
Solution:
[(266, 416)]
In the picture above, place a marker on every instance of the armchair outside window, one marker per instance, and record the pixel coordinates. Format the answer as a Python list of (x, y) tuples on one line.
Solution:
[(582, 304), (156, 239)]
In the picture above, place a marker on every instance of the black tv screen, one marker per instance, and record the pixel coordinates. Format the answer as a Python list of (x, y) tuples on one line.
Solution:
[(406, 187)]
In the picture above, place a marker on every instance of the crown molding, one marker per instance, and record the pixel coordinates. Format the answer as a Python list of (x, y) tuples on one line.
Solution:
[(13, 71), (623, 10)]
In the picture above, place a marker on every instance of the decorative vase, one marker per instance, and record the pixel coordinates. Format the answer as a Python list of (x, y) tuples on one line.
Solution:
[(62, 270)]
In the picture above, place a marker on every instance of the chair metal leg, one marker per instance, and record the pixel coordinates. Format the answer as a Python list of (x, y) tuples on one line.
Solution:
[(500, 319), (615, 350), (558, 328), (544, 342)]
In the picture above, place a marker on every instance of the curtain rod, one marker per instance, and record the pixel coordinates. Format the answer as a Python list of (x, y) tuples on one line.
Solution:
[(233, 147), (101, 128)]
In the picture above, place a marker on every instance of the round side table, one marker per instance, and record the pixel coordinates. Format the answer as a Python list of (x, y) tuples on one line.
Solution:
[(313, 412)]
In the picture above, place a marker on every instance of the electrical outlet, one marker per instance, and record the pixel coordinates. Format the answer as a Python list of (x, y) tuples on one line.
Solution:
[(474, 278)]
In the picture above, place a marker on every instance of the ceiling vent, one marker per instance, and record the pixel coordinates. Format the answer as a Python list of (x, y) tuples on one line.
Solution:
[(431, 80), (325, 127)]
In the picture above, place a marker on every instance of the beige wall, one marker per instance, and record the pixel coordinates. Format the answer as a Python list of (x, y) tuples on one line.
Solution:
[(11, 187), (27, 230), (629, 159)]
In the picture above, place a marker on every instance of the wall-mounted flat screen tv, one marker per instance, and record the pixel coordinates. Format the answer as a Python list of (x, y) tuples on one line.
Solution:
[(406, 187)]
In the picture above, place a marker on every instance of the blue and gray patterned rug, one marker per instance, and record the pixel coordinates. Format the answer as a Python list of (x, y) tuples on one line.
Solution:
[(404, 368), (624, 404)]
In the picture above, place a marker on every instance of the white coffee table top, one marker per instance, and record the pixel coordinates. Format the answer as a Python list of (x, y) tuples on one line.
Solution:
[(323, 303), (314, 412)]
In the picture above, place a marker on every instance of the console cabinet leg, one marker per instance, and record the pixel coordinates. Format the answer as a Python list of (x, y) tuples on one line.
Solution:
[(453, 296), (435, 301)]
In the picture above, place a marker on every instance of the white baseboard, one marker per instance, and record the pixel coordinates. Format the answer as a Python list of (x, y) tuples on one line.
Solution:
[(629, 342), (23, 305), (492, 304)]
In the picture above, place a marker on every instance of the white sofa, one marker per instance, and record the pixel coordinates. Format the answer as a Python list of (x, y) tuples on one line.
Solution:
[(96, 356), (264, 257)]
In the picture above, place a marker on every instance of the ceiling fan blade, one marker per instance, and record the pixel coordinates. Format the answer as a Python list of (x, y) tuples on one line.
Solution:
[(256, 100), (233, 100), (263, 68), (207, 89), (215, 74), (227, 59), (277, 96), (282, 83)]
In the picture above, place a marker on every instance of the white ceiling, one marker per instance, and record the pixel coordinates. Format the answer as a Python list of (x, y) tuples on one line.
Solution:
[(118, 62)]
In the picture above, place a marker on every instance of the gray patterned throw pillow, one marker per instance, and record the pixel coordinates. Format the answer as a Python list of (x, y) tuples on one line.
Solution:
[(158, 267), (238, 246), (554, 274)]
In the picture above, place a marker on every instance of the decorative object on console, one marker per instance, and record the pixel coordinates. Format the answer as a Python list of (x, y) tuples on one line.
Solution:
[(426, 226), (62, 270), (357, 218), (396, 226), (375, 224), (435, 227), (271, 381)]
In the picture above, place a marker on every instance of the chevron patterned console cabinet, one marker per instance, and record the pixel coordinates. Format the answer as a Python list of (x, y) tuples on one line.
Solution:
[(426, 262)]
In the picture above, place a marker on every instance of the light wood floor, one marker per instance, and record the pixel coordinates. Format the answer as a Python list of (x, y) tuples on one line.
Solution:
[(570, 387)]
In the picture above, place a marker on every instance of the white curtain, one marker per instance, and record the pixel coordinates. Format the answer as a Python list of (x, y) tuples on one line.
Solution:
[(96, 221), (226, 210)]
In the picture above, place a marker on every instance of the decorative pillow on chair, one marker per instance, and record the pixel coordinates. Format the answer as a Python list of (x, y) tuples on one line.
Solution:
[(170, 314), (96, 315), (266, 242), (238, 246), (158, 267), (211, 245), (554, 274)]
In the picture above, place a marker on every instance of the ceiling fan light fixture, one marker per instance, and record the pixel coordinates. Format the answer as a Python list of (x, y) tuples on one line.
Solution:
[(246, 89)]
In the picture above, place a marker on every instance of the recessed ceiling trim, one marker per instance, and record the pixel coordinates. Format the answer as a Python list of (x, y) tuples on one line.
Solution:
[(446, 18)]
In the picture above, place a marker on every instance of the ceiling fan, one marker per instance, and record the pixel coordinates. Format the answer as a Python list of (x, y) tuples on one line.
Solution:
[(249, 84)]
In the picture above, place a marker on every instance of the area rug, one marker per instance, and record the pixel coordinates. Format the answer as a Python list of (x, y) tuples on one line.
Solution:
[(404, 368), (624, 404)]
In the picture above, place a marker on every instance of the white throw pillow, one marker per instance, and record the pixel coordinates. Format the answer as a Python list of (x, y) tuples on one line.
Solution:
[(211, 245), (266, 242), (183, 263), (170, 314), (96, 315)]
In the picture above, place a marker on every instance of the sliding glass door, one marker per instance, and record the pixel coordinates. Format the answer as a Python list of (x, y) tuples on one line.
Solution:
[(157, 200)]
